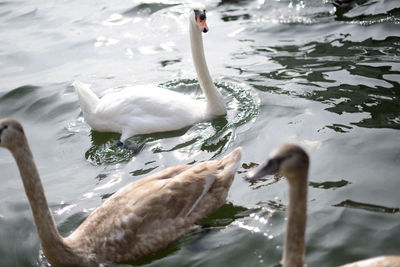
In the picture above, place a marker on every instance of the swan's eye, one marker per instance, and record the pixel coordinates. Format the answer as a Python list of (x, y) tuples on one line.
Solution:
[(200, 17), (199, 14), (203, 15)]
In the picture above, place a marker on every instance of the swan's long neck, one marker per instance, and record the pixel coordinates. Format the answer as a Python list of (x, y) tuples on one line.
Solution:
[(293, 255), (52, 242), (214, 98)]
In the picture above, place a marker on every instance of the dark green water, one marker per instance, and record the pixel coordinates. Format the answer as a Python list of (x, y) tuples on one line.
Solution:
[(290, 71)]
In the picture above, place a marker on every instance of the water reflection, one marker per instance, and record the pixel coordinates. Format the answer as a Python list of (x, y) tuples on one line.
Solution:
[(346, 5), (142, 171), (36, 103), (363, 18), (234, 2), (146, 9), (340, 128), (104, 149), (277, 57), (261, 219), (262, 182), (20, 97), (366, 206), (70, 223), (330, 184), (225, 215), (277, 12), (345, 75), (165, 63)]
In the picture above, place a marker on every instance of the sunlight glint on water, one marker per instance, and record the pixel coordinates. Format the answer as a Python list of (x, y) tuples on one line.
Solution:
[(289, 70)]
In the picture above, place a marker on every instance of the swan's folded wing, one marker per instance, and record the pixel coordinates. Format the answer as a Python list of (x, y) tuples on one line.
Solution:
[(145, 101), (117, 104)]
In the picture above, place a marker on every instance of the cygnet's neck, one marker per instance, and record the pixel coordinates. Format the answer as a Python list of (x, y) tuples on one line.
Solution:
[(294, 247), (53, 244), (214, 98)]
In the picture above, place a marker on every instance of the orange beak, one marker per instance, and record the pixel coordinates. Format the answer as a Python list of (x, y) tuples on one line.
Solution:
[(202, 24)]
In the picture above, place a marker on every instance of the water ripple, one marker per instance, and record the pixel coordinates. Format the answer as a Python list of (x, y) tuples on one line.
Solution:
[(366, 206), (324, 72), (213, 137)]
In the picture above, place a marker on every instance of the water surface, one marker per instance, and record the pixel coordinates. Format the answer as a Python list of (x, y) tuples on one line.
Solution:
[(290, 71)]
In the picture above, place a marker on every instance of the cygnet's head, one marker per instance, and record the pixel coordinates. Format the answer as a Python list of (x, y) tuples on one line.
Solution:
[(198, 17), (11, 134), (288, 160)]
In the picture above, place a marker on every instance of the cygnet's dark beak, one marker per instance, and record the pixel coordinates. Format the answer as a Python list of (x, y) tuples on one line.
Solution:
[(271, 167)]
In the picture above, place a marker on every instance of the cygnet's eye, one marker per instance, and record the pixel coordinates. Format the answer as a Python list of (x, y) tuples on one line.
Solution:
[(4, 127), (1, 130)]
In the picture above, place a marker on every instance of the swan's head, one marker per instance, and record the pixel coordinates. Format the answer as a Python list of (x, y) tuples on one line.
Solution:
[(12, 134), (288, 160), (198, 17)]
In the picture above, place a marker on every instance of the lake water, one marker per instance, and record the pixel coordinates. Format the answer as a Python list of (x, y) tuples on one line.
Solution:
[(290, 71)]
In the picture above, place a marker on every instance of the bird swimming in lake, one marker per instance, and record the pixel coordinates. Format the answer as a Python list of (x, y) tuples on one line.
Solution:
[(137, 220), (292, 162), (144, 109)]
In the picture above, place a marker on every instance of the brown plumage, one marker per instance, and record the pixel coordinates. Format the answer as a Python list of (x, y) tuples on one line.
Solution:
[(382, 261), (139, 219), (293, 162)]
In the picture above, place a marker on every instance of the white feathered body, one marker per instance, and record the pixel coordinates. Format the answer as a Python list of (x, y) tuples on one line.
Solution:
[(139, 109)]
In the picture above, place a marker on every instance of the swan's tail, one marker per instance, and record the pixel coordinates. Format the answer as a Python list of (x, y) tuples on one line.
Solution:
[(231, 162), (226, 171), (87, 99), (227, 168), (218, 177)]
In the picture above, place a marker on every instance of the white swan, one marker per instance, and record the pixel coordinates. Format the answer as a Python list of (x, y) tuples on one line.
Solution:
[(148, 109), (293, 162), (137, 220)]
